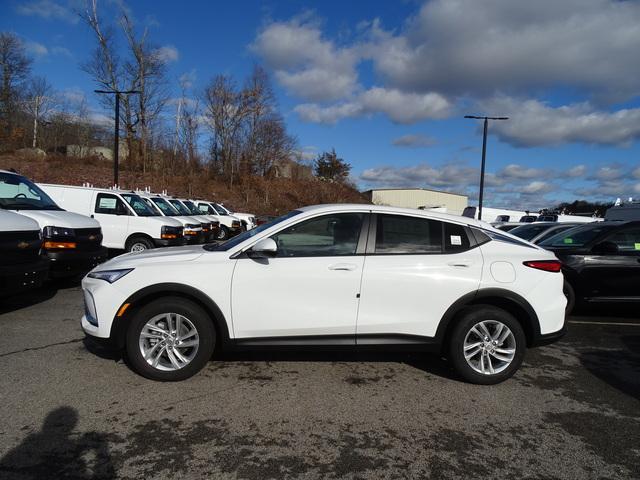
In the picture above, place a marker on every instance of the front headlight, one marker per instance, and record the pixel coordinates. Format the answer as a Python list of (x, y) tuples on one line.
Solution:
[(110, 275), (169, 232), (57, 232)]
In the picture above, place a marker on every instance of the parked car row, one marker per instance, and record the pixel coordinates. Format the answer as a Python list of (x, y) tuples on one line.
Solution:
[(600, 260), (75, 226)]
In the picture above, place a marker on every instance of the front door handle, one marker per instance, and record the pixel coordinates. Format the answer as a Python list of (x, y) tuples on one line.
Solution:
[(343, 266), (460, 263)]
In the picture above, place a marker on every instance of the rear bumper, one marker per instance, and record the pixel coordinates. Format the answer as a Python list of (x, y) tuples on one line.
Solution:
[(548, 338), (68, 263), (19, 278)]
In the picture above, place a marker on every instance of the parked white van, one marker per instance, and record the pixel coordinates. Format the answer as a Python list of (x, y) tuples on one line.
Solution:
[(22, 267), (72, 242), (197, 228), (248, 220), (127, 223), (229, 224)]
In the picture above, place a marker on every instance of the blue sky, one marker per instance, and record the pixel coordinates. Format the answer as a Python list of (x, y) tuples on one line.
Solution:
[(387, 83)]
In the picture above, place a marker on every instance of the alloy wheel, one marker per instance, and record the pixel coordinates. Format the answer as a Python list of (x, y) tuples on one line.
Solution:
[(169, 341), (489, 347)]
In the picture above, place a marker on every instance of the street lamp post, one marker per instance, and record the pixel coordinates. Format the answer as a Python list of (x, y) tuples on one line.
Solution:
[(484, 154), (116, 142)]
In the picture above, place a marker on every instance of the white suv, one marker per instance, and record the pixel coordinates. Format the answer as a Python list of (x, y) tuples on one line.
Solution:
[(358, 275)]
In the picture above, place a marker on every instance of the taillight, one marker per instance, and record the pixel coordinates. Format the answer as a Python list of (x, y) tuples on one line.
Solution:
[(546, 265)]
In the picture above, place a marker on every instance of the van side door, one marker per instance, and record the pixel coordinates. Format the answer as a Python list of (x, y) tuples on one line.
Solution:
[(113, 214)]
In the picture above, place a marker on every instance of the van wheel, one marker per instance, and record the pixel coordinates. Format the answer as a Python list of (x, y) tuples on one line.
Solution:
[(139, 244), (170, 339), (487, 345), (223, 234), (570, 293)]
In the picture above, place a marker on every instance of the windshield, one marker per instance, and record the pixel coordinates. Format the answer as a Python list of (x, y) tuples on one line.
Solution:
[(224, 209), (238, 239), (139, 206), (219, 209), (18, 193), (576, 237), (180, 207), (191, 206), (527, 232), (165, 207)]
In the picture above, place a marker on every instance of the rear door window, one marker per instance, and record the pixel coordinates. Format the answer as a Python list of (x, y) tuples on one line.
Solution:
[(398, 234), (628, 241), (455, 238)]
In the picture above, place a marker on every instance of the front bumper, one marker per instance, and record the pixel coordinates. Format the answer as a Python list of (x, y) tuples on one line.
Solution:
[(68, 263), (173, 242), (22, 277)]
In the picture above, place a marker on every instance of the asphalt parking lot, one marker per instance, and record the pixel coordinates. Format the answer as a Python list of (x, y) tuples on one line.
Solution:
[(572, 411)]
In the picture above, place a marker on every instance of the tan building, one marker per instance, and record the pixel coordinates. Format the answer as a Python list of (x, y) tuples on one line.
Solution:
[(453, 203)]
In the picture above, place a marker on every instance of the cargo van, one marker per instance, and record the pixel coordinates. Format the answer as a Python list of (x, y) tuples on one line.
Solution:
[(197, 228), (71, 241), (248, 220), (22, 267), (127, 223), (229, 225)]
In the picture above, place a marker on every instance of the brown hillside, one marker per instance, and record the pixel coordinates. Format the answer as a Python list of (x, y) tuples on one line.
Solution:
[(254, 194)]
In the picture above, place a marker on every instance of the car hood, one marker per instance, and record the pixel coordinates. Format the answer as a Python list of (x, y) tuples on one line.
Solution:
[(12, 222), (59, 218), (158, 255)]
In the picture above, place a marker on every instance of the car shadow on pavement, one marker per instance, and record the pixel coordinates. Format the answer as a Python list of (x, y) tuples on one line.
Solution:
[(36, 296), (56, 451), (426, 362), (619, 368)]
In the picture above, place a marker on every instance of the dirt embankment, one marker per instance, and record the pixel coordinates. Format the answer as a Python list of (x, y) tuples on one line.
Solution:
[(254, 194)]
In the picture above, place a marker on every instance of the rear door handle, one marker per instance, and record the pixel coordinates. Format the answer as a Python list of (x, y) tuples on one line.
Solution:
[(343, 266), (460, 263)]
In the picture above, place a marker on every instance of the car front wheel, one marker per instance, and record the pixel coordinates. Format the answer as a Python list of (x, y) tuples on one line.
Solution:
[(170, 339), (223, 233), (487, 345)]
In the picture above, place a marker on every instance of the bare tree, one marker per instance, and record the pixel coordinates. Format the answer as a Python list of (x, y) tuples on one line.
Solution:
[(147, 68), (106, 68), (226, 109), (38, 102), (15, 66)]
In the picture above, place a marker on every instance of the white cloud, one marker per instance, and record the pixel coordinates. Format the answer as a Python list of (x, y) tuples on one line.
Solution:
[(403, 108), (167, 54), (537, 187), (305, 63), (47, 9), (36, 49), (414, 141), (62, 51), (471, 47), (534, 123), (577, 171)]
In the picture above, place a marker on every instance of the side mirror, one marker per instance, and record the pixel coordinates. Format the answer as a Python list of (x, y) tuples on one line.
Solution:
[(265, 248), (605, 248)]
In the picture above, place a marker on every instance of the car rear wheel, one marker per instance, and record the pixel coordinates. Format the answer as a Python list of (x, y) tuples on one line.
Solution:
[(487, 345), (570, 294), (170, 339)]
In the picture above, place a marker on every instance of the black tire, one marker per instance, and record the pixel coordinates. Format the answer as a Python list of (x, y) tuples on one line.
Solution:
[(138, 244), (195, 314), (223, 233), (467, 319), (570, 294)]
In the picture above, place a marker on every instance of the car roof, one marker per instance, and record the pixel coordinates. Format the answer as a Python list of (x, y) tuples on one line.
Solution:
[(337, 207)]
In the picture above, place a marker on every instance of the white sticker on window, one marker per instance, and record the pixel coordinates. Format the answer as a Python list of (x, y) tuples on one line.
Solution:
[(107, 203), (456, 240)]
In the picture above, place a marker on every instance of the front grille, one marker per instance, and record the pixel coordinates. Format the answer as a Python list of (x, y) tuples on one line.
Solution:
[(19, 247), (88, 239)]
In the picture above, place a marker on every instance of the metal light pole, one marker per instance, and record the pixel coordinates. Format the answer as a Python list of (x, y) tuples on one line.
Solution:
[(116, 142), (484, 154)]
